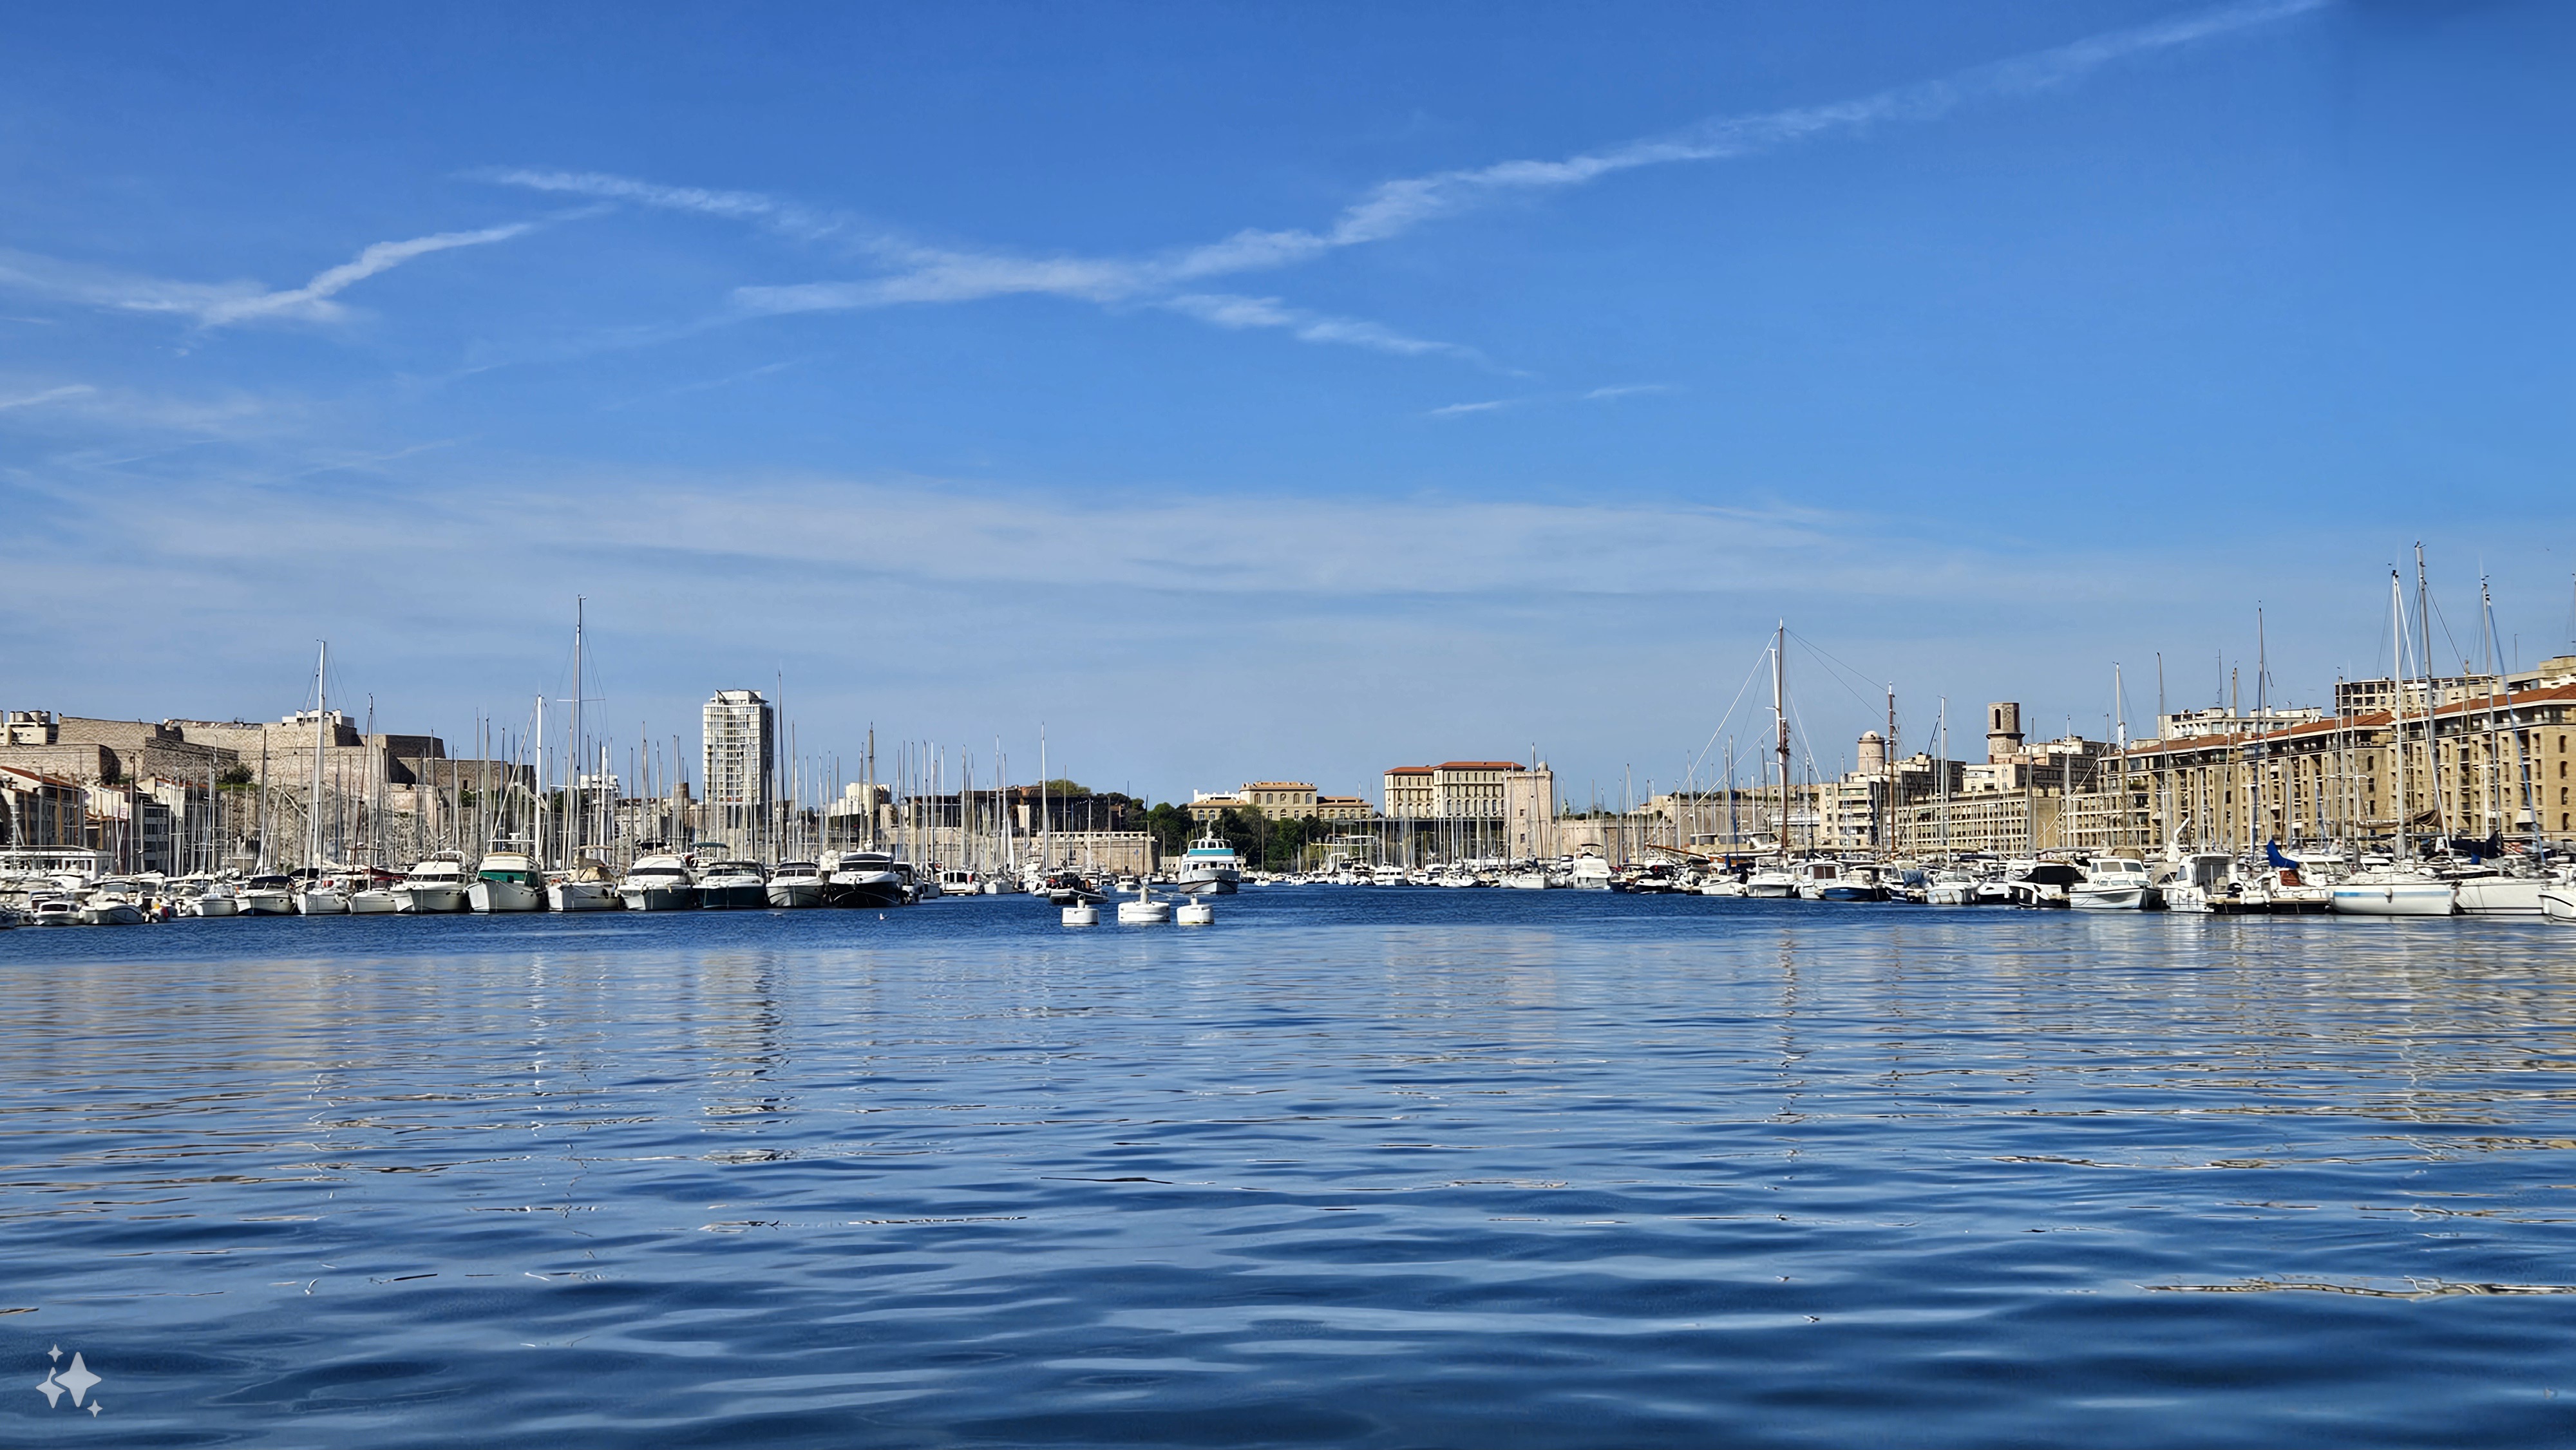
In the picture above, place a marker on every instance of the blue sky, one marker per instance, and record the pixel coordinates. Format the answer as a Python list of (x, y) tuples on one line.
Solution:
[(1274, 391)]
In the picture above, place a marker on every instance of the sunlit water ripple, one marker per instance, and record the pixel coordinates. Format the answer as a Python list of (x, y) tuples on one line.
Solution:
[(1369, 1168)]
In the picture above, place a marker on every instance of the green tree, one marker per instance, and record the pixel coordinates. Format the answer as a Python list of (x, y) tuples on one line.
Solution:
[(1170, 827)]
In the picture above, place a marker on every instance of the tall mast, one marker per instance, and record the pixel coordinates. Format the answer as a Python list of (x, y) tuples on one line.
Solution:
[(2397, 714), (313, 803), (576, 827), (2424, 662), (2263, 753), (1780, 724), (2120, 740)]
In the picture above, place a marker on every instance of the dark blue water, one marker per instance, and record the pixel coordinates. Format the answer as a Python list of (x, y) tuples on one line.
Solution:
[(1368, 1168)]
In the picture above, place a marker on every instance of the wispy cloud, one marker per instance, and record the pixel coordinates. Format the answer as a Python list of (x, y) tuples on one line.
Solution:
[(48, 395), (219, 304), (1455, 410), (707, 384), (1225, 310), (916, 273)]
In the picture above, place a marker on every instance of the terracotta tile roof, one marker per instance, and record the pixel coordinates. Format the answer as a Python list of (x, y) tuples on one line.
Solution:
[(2563, 694)]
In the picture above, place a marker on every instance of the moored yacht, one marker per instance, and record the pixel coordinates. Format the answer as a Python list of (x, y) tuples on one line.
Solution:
[(507, 879), (795, 884), (1209, 868), (2112, 884), (2395, 891), (658, 883), (434, 886), (865, 878), (733, 886), (588, 886), (266, 896), (1773, 880), (318, 896)]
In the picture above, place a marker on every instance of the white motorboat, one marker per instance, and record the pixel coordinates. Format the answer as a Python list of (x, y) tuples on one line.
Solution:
[(2558, 903), (434, 885), (2501, 895), (55, 911), (1950, 888), (1591, 873), (2395, 891), (209, 898), (733, 886), (321, 897), (1209, 868), (2041, 883), (266, 896), (112, 903), (505, 880), (795, 884), (658, 883), (586, 887), (1526, 878), (2203, 881), (367, 898), (1772, 881), (959, 881), (2112, 884), (865, 878)]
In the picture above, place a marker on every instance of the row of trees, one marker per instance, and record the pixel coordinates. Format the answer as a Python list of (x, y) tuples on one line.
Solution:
[(1264, 844)]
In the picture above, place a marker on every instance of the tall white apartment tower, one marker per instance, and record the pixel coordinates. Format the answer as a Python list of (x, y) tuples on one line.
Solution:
[(740, 735)]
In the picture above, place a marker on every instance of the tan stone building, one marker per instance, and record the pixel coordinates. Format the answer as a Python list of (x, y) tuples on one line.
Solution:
[(1460, 790), (1280, 800)]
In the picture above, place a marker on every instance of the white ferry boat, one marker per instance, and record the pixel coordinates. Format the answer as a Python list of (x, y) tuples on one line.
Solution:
[(1209, 868)]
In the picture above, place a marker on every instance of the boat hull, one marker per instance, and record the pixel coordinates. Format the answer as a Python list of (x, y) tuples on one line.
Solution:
[(658, 898), (864, 894), (2108, 898), (583, 896), (1205, 886), (214, 906), (749, 896), (792, 895), (2395, 898), (2503, 895), (373, 903), (488, 897), (2558, 904), (321, 903), (266, 903), (114, 913), (429, 898)]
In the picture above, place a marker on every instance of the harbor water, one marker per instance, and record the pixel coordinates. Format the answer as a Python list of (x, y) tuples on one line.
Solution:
[(1398, 1167)]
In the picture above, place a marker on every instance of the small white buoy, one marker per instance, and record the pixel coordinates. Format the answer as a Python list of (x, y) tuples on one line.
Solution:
[(1083, 915), (1194, 913)]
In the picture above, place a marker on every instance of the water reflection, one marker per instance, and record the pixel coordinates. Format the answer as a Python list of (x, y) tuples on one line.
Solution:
[(1359, 1167)]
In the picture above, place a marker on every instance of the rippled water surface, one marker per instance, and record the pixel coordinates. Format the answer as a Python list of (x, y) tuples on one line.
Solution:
[(1351, 1167)]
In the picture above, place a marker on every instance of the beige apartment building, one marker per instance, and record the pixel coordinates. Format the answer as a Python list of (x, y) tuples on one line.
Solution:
[(1280, 800), (1462, 790), (2486, 763)]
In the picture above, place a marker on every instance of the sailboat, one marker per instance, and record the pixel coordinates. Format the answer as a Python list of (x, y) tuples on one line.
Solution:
[(318, 897), (2400, 888)]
